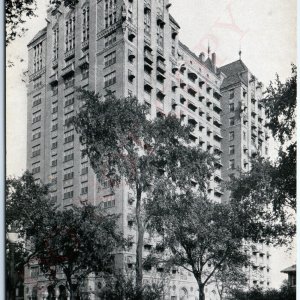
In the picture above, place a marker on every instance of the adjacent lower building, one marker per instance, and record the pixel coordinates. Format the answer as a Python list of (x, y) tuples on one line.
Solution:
[(131, 47), (245, 136)]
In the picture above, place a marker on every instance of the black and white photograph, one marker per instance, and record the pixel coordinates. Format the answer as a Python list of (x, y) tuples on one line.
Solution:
[(150, 150)]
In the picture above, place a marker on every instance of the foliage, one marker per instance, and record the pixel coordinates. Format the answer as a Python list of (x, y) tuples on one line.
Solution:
[(200, 235), (270, 187), (78, 241), (122, 143), (16, 13), (123, 287), (254, 192), (281, 103), (281, 106), (284, 293), (28, 206), (228, 279)]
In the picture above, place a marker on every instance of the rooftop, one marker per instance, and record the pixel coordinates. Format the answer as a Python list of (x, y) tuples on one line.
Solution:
[(38, 35), (234, 71), (233, 68), (208, 63), (174, 21), (291, 269)]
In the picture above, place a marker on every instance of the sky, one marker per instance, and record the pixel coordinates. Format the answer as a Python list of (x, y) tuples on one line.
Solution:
[(264, 31)]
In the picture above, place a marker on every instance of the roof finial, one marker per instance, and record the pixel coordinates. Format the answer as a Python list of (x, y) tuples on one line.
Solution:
[(208, 49), (240, 52)]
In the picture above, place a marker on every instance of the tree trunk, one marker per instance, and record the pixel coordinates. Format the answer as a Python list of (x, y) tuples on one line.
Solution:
[(70, 285), (201, 291), (140, 241)]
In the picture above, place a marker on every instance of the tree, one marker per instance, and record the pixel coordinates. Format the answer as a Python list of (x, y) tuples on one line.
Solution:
[(281, 103), (16, 13), (122, 143), (284, 293), (78, 241), (228, 279), (270, 187), (28, 207), (255, 191), (200, 236)]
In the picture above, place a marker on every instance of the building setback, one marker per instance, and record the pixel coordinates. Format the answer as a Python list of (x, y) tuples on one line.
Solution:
[(132, 48)]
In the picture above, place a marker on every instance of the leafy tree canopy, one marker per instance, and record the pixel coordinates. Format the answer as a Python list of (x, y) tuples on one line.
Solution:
[(123, 143), (270, 187), (75, 241), (199, 235), (284, 293)]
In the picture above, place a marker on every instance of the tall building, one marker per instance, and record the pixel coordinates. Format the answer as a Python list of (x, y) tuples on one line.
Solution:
[(129, 47), (245, 136)]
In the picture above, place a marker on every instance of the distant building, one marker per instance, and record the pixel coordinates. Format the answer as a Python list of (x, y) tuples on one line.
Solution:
[(245, 135), (291, 271)]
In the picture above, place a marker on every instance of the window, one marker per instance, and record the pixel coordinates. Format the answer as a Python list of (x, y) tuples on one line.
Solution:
[(231, 135), (36, 100), (36, 134), (231, 121), (109, 201), (84, 168), (244, 135), (69, 100), (160, 36), (130, 76), (54, 145), (69, 81), (85, 24), (68, 118), (231, 94), (69, 136), (54, 108), (34, 272), (110, 79), (36, 168), (68, 174), (85, 71), (55, 43), (84, 188), (231, 107), (231, 164), (129, 12), (68, 155), (110, 59), (54, 163), (266, 150), (70, 33), (110, 12), (54, 89), (54, 126), (36, 117), (38, 57), (37, 83), (231, 149), (68, 192), (147, 21), (110, 39)]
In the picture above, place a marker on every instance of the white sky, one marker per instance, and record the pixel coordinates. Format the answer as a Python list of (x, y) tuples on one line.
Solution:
[(265, 31)]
